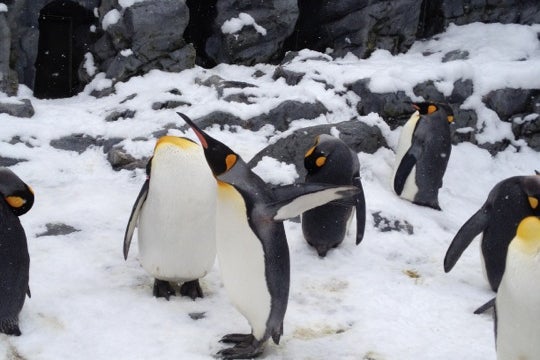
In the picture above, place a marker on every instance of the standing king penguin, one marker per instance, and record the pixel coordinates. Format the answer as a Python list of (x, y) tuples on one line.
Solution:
[(252, 246), (422, 154), (517, 305), (175, 213), (507, 204), (16, 199), (331, 161)]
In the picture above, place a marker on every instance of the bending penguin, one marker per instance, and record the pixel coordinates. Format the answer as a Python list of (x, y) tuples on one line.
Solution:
[(331, 161), (252, 246), (422, 154), (16, 199), (507, 204), (175, 214), (517, 305)]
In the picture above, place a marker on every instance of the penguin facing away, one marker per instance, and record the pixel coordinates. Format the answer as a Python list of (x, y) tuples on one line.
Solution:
[(517, 305), (16, 199), (252, 248), (331, 161), (507, 204), (175, 214), (422, 154)]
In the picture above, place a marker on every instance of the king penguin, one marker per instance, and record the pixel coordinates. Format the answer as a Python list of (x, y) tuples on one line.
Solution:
[(507, 204), (331, 161), (422, 154), (16, 199), (517, 305), (252, 248), (176, 213)]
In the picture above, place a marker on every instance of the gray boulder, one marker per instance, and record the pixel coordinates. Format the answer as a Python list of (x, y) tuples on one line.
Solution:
[(258, 42), (23, 108)]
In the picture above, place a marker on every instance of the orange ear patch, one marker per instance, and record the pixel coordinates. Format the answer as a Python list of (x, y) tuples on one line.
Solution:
[(15, 201), (230, 160), (321, 160), (533, 202), (310, 151), (431, 109), (450, 118)]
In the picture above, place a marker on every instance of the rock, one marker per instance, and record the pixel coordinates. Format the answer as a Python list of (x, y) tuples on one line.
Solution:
[(428, 91), (124, 114), (507, 102), (261, 41), (455, 55), (22, 108), (120, 159), (384, 224), (463, 129), (169, 104), (55, 229), (291, 149), (286, 112), (7, 161), (463, 88), (395, 107), (528, 129), (81, 142), (221, 84)]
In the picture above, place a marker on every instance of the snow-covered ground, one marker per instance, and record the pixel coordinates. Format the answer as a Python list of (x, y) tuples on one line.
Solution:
[(388, 298)]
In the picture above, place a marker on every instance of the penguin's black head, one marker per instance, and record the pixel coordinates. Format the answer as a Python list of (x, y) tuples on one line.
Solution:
[(428, 108), (315, 158), (531, 187), (219, 156), (15, 192)]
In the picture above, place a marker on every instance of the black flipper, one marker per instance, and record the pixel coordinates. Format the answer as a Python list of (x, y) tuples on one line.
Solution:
[(28, 292), (404, 169), (134, 217), (293, 200), (360, 210), (474, 226), (482, 309)]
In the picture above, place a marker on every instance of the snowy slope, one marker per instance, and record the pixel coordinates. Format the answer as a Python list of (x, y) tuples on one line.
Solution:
[(388, 298)]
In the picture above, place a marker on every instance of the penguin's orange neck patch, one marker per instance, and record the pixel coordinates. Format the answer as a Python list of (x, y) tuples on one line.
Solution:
[(533, 202)]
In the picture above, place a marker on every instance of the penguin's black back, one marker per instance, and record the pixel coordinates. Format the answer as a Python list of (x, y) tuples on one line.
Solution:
[(14, 269)]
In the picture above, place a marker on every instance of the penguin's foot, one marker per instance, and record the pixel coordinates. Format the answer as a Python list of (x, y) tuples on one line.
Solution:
[(163, 289), (10, 327), (191, 289), (247, 347), (237, 338)]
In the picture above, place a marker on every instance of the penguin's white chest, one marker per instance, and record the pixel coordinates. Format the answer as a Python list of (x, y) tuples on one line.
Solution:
[(241, 260), (176, 233), (518, 308), (405, 141)]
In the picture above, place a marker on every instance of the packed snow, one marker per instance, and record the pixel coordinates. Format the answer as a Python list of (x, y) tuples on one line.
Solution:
[(386, 299)]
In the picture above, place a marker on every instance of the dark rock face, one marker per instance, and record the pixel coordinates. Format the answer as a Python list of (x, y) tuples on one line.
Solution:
[(250, 32), (507, 102), (23, 109), (357, 135)]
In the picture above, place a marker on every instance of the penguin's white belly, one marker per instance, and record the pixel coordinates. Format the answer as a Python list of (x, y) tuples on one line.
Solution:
[(176, 232), (518, 309), (405, 140), (241, 261)]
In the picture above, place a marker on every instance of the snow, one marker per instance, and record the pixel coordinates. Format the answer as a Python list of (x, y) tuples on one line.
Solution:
[(110, 18), (3, 7), (387, 298), (234, 25)]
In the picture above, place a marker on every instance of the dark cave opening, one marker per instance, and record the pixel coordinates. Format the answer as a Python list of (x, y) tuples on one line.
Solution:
[(64, 37), (202, 14)]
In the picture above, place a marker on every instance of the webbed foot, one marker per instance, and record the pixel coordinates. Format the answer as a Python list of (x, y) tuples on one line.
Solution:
[(247, 347), (191, 289), (163, 289)]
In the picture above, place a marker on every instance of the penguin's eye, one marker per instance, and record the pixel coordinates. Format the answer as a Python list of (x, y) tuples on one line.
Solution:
[(230, 160), (320, 161), (533, 202), (431, 109), (15, 201)]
